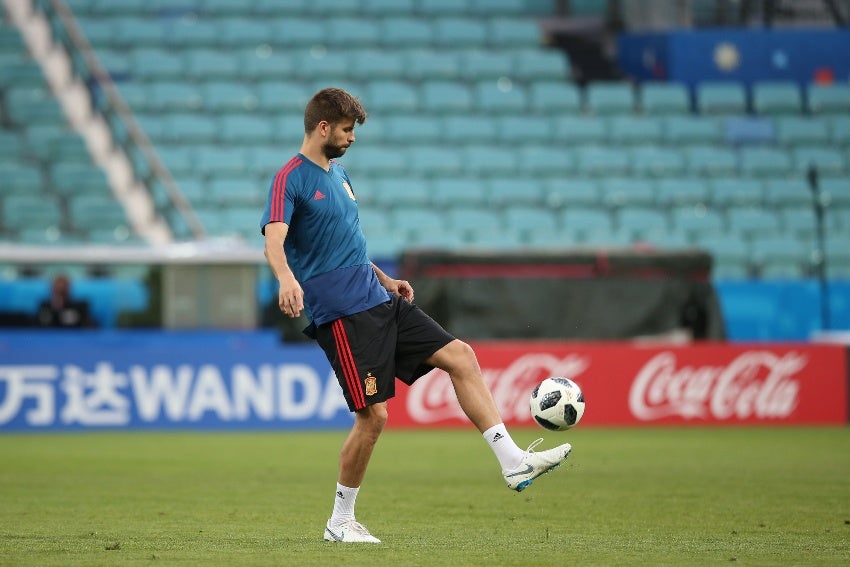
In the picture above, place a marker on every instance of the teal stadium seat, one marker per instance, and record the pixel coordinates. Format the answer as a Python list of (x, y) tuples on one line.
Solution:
[(227, 96), (541, 65), (792, 192), (386, 8), (180, 127), (609, 98), (827, 161), (496, 8), (639, 221), (20, 178), (154, 64), (523, 129), (599, 161), (25, 211), (427, 65), (513, 191), (405, 32), (494, 97), (737, 192), (485, 64), (525, 219), (243, 128), (681, 191), (389, 96), (467, 191), (235, 190), (796, 131), (458, 32), (731, 256), (656, 161), (829, 99), (554, 97), (377, 64), (426, 129), (72, 178), (373, 161), (434, 161), (347, 33), (236, 31), (462, 218), (781, 256), (721, 98), (840, 130), (494, 239), (216, 160), (490, 161), (697, 221), (562, 192), (298, 31), (684, 130), (87, 211), (512, 33), (583, 219), (462, 128), (26, 106), (172, 96), (419, 219), (580, 130), (751, 221), (542, 160), (777, 98), (203, 64), (445, 97), (797, 221), (278, 96), (620, 192), (836, 190), (436, 8), (664, 99), (400, 191), (627, 130), (765, 162), (710, 161)]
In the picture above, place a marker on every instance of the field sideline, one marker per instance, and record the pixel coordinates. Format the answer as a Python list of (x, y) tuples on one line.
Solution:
[(688, 496)]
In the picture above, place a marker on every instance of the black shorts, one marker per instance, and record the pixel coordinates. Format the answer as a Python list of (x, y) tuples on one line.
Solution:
[(370, 349)]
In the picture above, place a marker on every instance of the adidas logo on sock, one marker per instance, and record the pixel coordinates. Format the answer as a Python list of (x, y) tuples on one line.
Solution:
[(497, 436), (339, 493)]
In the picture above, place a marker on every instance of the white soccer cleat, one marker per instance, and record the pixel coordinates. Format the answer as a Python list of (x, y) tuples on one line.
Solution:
[(351, 531), (534, 464)]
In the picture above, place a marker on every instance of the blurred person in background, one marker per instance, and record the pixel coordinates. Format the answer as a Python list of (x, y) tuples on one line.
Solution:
[(60, 309), (364, 320)]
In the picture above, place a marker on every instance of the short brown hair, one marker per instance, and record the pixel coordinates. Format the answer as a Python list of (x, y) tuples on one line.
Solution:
[(332, 105)]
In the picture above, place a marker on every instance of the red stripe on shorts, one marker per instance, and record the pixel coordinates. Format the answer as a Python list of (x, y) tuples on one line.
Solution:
[(346, 361), (276, 213)]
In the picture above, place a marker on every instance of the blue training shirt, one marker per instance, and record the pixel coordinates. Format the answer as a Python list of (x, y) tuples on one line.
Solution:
[(324, 245)]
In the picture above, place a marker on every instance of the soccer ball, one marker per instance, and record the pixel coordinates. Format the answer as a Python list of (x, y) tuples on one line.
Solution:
[(557, 404)]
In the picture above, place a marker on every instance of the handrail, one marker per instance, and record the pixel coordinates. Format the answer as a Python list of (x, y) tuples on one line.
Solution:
[(103, 78)]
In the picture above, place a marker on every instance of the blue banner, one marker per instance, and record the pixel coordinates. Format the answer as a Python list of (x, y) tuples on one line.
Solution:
[(95, 379)]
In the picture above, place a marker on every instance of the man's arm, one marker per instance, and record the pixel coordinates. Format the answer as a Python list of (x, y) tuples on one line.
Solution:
[(400, 287), (290, 297)]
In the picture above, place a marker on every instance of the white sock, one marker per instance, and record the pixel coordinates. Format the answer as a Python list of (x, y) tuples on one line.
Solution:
[(507, 452), (344, 504)]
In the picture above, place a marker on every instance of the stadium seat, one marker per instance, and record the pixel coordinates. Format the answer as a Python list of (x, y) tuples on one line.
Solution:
[(390, 96), (25, 106), (836, 190), (664, 99), (182, 127), (494, 239), (751, 221), (797, 221), (541, 64), (20, 178), (840, 130), (656, 161), (627, 130), (538, 160), (582, 219), (598, 161), (405, 32), (781, 256), (244, 128), (434, 161), (236, 32), (171, 96), (235, 190), (347, 33), (554, 97), (765, 162), (276, 96), (86, 211), (710, 161), (427, 65), (777, 98), (580, 130), (458, 191), (697, 221), (491, 161), (296, 32), (626, 192), (417, 218), (485, 64), (564, 192), (829, 99), (377, 64), (72, 178), (426, 129), (216, 160), (455, 32), (527, 219), (691, 130), (500, 97), (827, 161), (463, 129), (639, 220), (511, 33), (736, 191), (222, 96), (796, 131), (152, 64), (730, 254), (523, 129), (721, 98), (609, 98), (505, 191), (793, 192), (679, 191), (399, 192), (445, 97), (387, 8), (25, 211)]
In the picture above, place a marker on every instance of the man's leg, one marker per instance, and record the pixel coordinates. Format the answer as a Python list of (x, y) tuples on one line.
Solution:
[(519, 467), (353, 461)]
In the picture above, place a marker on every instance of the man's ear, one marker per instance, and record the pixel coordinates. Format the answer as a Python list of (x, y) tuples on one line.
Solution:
[(324, 128)]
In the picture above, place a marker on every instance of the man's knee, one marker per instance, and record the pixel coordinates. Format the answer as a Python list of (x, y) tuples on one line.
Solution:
[(373, 417), (457, 357)]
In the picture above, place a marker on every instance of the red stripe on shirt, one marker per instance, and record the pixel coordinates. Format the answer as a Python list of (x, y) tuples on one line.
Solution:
[(277, 209), (349, 369)]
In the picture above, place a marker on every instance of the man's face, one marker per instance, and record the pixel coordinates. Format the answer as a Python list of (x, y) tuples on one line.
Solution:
[(340, 138)]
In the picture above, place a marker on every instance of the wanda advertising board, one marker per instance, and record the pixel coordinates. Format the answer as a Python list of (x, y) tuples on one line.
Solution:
[(628, 384)]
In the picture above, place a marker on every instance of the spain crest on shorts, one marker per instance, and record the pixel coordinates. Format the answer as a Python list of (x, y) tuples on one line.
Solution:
[(371, 384)]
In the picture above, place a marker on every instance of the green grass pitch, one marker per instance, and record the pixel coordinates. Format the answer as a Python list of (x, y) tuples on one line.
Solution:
[(650, 496)]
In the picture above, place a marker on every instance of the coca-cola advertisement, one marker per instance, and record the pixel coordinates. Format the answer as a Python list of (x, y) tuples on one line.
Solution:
[(633, 384)]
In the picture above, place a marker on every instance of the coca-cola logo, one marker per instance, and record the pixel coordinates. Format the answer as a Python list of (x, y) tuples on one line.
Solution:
[(432, 397), (757, 384)]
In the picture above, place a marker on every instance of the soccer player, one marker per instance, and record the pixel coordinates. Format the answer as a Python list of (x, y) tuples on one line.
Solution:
[(364, 320)]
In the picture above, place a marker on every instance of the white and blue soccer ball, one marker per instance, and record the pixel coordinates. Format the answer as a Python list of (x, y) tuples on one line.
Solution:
[(557, 404)]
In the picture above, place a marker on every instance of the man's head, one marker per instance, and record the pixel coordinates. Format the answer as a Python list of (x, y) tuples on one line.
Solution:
[(331, 115)]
